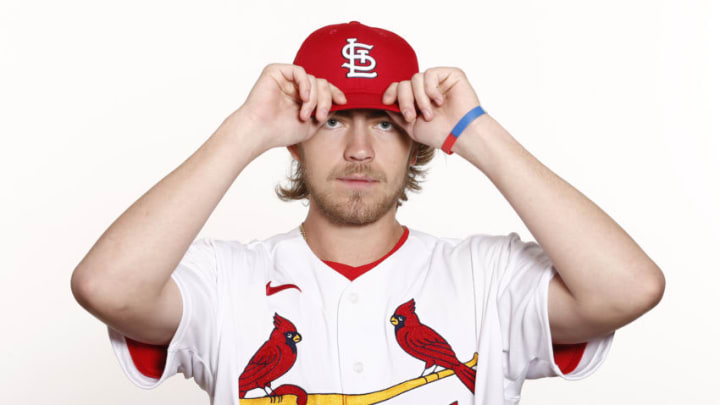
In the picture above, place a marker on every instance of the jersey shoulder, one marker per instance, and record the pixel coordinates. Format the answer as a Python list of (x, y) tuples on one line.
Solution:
[(475, 240), (259, 246)]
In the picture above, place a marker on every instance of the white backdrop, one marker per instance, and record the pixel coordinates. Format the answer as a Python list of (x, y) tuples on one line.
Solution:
[(101, 100)]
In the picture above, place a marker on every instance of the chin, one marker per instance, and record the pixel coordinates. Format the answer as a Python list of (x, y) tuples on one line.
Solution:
[(353, 210), (344, 206)]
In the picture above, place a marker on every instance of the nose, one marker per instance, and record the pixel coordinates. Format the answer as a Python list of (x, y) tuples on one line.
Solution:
[(359, 147)]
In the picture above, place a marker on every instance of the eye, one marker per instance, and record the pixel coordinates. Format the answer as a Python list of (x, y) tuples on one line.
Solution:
[(330, 123), (389, 126)]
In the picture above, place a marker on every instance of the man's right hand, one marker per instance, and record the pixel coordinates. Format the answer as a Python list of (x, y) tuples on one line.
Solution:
[(125, 279), (281, 102)]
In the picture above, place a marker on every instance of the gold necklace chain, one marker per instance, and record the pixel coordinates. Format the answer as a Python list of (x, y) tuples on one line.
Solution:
[(302, 231)]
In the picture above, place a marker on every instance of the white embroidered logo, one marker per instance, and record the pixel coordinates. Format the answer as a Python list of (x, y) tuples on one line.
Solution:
[(351, 54)]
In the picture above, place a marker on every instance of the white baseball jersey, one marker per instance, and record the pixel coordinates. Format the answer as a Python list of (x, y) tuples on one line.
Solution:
[(435, 321)]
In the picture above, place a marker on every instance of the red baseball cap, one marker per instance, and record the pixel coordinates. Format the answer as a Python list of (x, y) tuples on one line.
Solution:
[(361, 61)]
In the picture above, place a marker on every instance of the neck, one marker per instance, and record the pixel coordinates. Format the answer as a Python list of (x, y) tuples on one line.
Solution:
[(354, 245)]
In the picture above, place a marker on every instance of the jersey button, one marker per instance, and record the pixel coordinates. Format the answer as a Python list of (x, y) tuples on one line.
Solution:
[(353, 298), (358, 367)]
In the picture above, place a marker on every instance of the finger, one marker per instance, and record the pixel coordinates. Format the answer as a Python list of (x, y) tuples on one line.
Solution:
[(421, 98), (432, 86), (297, 75), (309, 105), (301, 78), (337, 95), (398, 119), (324, 99), (390, 93), (406, 100)]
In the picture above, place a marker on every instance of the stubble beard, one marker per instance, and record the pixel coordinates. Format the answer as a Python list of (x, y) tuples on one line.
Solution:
[(353, 207)]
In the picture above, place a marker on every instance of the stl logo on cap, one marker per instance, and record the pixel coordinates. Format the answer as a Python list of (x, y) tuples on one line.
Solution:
[(360, 60), (352, 54)]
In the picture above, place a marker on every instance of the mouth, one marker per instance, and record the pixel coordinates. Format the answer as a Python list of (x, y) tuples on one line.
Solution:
[(358, 181), (357, 178)]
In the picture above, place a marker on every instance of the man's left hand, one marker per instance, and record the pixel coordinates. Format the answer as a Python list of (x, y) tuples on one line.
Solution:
[(443, 96)]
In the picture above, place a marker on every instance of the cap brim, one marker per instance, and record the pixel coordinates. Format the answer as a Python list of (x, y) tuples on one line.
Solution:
[(363, 100)]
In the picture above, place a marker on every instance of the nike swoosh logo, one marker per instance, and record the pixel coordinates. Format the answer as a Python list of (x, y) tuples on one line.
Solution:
[(270, 290)]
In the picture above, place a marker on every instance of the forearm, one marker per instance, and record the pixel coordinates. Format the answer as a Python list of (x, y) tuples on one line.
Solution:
[(135, 256), (597, 260)]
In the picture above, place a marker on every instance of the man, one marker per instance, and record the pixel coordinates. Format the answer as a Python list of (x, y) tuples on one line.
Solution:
[(351, 306)]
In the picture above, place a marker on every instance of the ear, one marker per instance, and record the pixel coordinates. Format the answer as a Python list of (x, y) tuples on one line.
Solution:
[(414, 153)]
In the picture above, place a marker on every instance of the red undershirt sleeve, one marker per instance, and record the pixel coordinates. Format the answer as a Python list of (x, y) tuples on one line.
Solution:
[(148, 359), (525, 272)]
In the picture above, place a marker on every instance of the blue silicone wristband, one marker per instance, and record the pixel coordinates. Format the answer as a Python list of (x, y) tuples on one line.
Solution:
[(459, 128), (466, 120)]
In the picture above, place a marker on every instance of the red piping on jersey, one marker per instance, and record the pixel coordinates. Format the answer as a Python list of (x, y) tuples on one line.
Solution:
[(353, 272), (150, 359)]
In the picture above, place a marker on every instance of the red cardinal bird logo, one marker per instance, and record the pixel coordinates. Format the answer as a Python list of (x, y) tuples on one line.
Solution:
[(273, 359), (422, 342)]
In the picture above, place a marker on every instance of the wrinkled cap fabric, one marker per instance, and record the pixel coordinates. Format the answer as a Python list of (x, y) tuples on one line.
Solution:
[(360, 60)]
